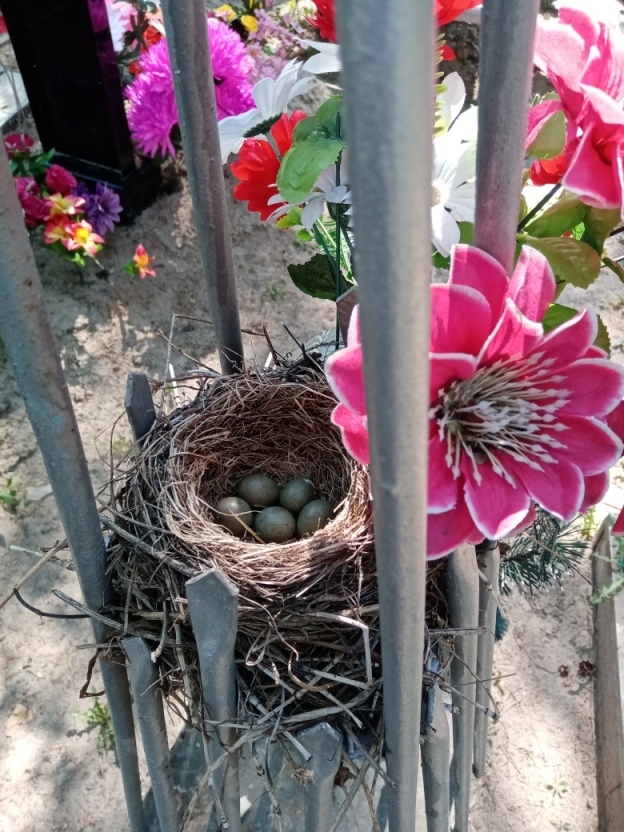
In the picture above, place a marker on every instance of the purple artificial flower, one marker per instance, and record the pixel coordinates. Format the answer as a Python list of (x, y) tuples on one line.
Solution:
[(103, 209), (153, 114)]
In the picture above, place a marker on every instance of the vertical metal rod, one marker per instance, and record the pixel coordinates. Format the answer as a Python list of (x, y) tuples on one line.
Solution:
[(462, 592), (436, 758), (139, 405), (213, 607), (187, 39), (505, 74), (489, 564), (27, 335), (145, 683), (388, 62), (324, 743)]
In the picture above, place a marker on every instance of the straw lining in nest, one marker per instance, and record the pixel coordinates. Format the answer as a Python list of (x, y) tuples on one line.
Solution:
[(308, 613)]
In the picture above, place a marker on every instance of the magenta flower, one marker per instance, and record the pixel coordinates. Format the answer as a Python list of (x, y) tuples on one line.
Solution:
[(584, 59), (153, 114), (516, 417), (59, 180)]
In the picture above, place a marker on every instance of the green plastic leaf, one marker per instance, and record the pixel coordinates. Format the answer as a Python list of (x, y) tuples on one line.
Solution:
[(324, 122), (599, 223), (304, 235), (615, 267), (303, 164), (571, 260), (558, 314), (292, 218), (315, 278), (563, 216), (551, 138)]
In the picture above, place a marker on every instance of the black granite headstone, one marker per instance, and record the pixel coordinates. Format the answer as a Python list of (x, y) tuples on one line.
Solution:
[(65, 54)]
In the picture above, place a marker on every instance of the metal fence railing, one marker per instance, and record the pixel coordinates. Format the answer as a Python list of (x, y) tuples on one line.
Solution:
[(388, 63)]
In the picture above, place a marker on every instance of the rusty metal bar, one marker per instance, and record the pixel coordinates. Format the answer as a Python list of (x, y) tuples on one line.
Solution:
[(388, 62), (324, 743), (462, 592), (145, 683), (488, 561), (189, 50), (213, 607), (27, 335), (505, 74)]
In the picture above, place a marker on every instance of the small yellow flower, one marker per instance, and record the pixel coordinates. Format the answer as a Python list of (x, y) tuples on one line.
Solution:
[(226, 11), (249, 22)]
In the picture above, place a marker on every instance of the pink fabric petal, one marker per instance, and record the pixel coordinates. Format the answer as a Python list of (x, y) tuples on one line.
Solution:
[(558, 488), (443, 487), (561, 53), (514, 336), (451, 308), (596, 487), (353, 333), (587, 443), (618, 526), (538, 116), (591, 177), (570, 341), (495, 505), (615, 420), (596, 386), (475, 269), (345, 372), (445, 532), (532, 286), (447, 368), (354, 433), (524, 524)]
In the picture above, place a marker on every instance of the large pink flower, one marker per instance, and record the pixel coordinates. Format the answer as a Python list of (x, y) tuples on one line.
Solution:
[(584, 59), (517, 417)]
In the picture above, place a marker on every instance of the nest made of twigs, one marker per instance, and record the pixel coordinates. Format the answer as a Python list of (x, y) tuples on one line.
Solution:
[(308, 609)]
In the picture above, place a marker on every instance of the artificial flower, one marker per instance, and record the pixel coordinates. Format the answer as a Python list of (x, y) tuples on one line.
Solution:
[(120, 15), (326, 60), (516, 417), (271, 98), (249, 22), (64, 206), (450, 101), (325, 19), (18, 143), (226, 13), (153, 114), (56, 230), (583, 56), (140, 263), (448, 10), (453, 192), (33, 206), (258, 165), (103, 209), (82, 237), (325, 192), (59, 180)]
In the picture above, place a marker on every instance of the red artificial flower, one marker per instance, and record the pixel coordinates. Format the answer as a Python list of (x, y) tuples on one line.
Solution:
[(33, 206), (258, 165), (151, 35), (325, 19), (549, 171), (141, 262), (447, 10), (59, 180), (18, 143), (446, 53)]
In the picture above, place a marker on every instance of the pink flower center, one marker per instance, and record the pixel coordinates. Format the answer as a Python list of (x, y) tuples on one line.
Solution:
[(509, 408)]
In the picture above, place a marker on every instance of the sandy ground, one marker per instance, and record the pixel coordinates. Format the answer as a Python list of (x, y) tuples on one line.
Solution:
[(541, 761)]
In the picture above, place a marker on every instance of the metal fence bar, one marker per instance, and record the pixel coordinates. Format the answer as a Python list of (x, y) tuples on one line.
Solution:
[(213, 607), (436, 757), (489, 564), (388, 64), (462, 592), (324, 743), (27, 335), (139, 405), (187, 39), (505, 73), (145, 683)]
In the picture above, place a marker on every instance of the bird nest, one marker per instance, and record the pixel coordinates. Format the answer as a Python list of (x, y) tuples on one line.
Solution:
[(308, 643)]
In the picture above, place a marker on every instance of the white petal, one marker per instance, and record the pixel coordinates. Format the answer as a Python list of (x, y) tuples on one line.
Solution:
[(451, 101), (466, 164), (444, 230), (302, 86), (233, 128), (312, 211), (321, 64), (465, 126)]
